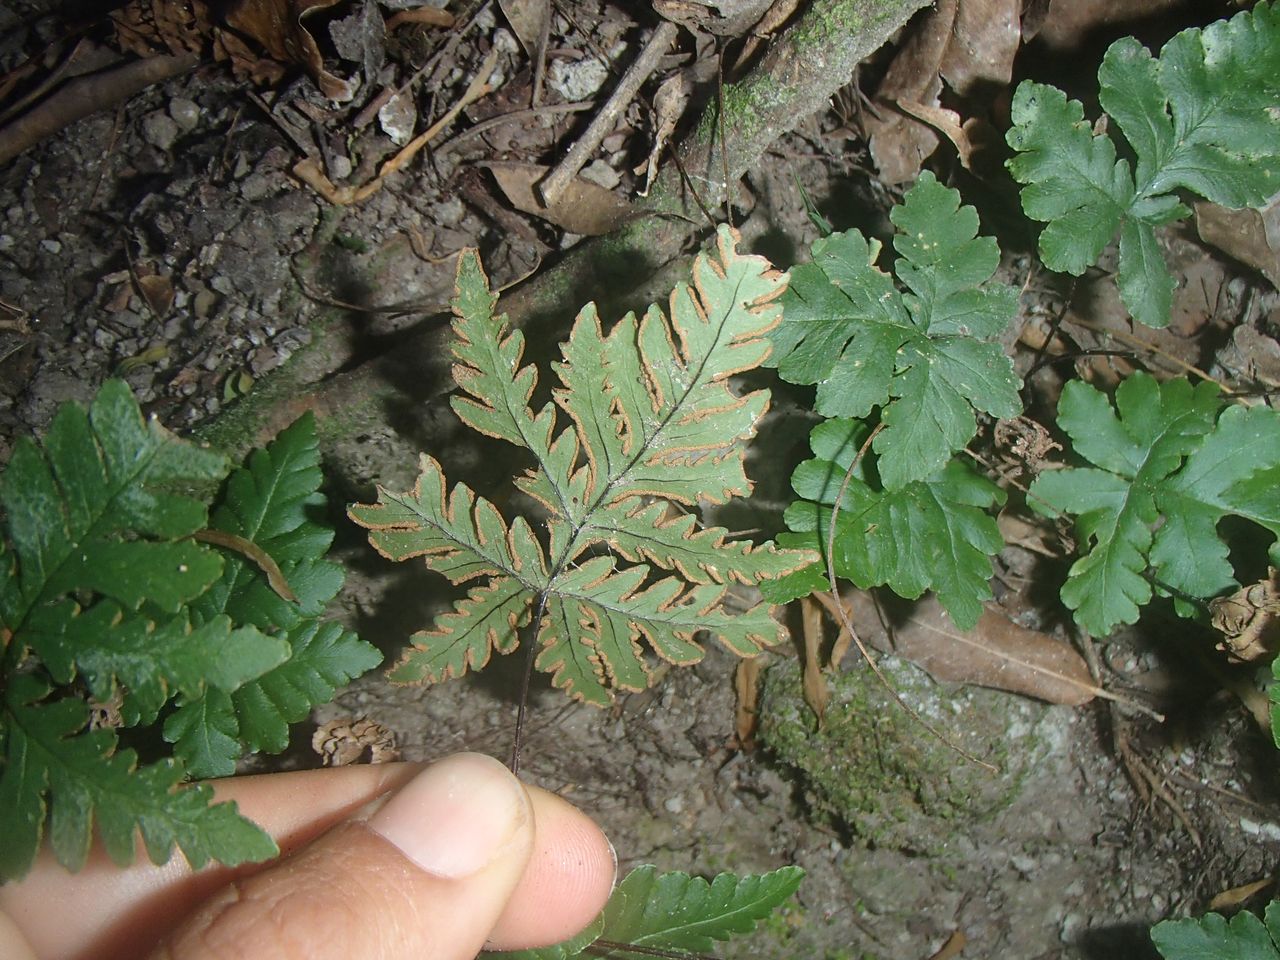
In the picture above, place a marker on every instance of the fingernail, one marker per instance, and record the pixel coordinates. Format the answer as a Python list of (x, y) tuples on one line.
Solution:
[(456, 816)]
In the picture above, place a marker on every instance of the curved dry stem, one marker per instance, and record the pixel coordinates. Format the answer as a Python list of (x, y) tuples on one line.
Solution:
[(847, 624)]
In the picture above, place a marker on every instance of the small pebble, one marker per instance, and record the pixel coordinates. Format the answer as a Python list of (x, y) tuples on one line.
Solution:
[(159, 130), (599, 172), (185, 113), (577, 80)]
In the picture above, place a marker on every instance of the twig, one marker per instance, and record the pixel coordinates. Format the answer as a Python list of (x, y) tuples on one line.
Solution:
[(86, 96), (1055, 325), (428, 15), (1147, 783), (309, 172), (847, 624), (540, 62), (604, 121), (1133, 341), (503, 118)]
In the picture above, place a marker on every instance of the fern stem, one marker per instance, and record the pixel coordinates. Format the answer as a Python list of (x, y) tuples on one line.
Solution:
[(842, 615), (605, 948), (530, 640)]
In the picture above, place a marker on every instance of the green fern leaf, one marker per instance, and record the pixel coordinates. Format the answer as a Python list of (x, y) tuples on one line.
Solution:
[(324, 657), (101, 586), (103, 473), (47, 753), (651, 424), (925, 357), (1213, 937), (651, 911), (205, 733), (272, 503), (931, 534), (1162, 455), (147, 663), (1236, 470), (1200, 117)]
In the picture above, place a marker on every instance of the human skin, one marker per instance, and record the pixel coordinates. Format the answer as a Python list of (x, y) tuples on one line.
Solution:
[(360, 875)]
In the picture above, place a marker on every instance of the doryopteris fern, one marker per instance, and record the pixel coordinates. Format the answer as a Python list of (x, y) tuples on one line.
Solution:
[(1169, 464), (1201, 117), (912, 517), (653, 428), (105, 591), (931, 534), (672, 914), (924, 358), (1214, 937)]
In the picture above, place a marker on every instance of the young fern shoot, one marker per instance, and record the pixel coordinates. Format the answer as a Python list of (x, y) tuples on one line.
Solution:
[(652, 425)]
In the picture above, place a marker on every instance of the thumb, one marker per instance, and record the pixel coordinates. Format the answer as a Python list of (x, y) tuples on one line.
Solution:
[(425, 877)]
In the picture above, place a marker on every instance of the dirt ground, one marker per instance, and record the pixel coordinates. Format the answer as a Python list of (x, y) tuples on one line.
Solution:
[(1105, 821)]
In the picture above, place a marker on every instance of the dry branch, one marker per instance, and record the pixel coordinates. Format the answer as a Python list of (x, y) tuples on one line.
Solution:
[(808, 63), (87, 95)]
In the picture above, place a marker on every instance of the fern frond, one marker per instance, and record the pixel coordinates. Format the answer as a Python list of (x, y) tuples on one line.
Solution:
[(49, 753), (272, 502), (652, 913), (101, 473), (651, 422), (103, 586)]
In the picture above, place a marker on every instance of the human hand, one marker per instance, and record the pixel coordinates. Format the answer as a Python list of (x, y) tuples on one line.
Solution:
[(377, 863)]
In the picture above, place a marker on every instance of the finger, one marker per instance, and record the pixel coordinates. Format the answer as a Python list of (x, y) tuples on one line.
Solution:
[(567, 882), (112, 913), (106, 912), (426, 876)]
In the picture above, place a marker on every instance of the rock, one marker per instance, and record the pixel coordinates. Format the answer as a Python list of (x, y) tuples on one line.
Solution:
[(876, 770), (577, 80), (185, 113), (159, 130)]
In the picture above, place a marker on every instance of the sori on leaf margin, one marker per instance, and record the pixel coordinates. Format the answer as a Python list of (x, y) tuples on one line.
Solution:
[(653, 428)]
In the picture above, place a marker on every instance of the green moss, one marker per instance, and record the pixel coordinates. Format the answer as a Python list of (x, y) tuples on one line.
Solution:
[(874, 770)]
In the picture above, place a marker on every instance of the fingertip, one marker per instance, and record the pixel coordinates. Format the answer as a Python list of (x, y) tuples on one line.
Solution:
[(428, 874), (569, 878)]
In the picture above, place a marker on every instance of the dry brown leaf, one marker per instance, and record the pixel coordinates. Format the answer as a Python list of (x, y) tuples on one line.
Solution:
[(158, 292), (814, 685), (970, 43), (582, 207), (724, 18), (997, 653), (1069, 24), (1237, 895), (900, 144), (746, 688), (1253, 356), (277, 26), (668, 106), (344, 740), (1251, 236), (984, 40), (148, 27), (528, 19), (953, 947), (947, 122), (1249, 619)]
